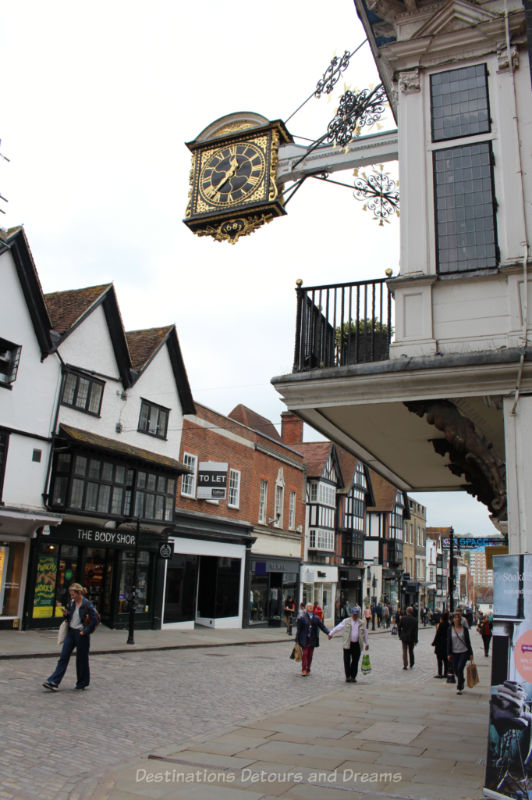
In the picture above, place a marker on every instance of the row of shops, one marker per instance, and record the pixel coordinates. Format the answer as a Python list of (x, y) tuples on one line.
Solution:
[(198, 571)]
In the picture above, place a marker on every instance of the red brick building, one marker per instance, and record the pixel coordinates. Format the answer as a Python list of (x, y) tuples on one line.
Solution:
[(236, 556)]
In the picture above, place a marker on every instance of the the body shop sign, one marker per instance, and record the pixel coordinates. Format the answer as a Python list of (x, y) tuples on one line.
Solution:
[(212, 480)]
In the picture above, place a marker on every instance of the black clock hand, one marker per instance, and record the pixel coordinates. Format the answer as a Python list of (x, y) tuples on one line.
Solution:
[(227, 176)]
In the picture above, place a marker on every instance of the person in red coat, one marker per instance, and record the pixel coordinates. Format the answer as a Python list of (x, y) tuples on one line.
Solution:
[(307, 636)]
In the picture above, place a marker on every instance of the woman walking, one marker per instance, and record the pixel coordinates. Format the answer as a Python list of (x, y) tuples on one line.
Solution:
[(82, 620), (458, 649), (440, 645)]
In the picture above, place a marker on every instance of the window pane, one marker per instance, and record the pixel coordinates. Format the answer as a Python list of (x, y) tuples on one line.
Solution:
[(149, 506), (69, 389), (104, 497), (118, 496), (92, 497), (151, 481), (95, 398), (459, 103), (465, 214), (94, 468), (80, 465), (120, 474), (83, 392), (159, 507), (60, 489), (76, 497), (107, 472)]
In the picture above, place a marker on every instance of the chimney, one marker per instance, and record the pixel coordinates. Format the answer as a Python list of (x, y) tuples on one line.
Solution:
[(291, 428)]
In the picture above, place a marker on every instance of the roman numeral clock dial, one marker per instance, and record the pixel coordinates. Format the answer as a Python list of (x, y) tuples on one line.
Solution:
[(233, 180), (231, 174)]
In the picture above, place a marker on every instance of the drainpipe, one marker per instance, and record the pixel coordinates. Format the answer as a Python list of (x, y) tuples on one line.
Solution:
[(46, 493)]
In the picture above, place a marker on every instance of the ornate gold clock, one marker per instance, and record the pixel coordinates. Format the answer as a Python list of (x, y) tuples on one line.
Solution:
[(233, 188)]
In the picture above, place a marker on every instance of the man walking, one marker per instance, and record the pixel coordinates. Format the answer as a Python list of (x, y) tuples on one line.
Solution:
[(407, 629), (355, 639), (307, 636)]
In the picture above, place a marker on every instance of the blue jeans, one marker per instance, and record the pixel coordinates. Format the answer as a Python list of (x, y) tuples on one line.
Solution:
[(73, 639), (459, 660)]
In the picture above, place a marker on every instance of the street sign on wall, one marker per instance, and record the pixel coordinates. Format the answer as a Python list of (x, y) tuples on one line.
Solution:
[(212, 480)]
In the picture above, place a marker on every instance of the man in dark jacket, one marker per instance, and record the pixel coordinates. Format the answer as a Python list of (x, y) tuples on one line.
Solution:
[(407, 630), (307, 636)]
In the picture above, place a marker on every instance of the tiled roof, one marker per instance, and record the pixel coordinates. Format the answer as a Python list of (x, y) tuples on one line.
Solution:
[(347, 463), (384, 493), (143, 344), (254, 421), (122, 448), (66, 308), (315, 455)]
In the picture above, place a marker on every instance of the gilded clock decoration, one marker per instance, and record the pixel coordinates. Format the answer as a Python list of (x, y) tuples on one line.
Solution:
[(231, 174)]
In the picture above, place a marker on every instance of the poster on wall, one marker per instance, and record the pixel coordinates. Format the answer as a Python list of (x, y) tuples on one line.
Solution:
[(212, 480), (43, 601), (509, 758)]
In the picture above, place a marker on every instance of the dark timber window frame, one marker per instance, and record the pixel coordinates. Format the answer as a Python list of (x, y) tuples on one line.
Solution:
[(82, 392), (464, 189), (153, 419), (9, 361)]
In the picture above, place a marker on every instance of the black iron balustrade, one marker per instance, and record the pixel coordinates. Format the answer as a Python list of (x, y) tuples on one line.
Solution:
[(341, 324)]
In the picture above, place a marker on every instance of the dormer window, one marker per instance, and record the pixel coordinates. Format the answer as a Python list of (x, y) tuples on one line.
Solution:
[(153, 419), (9, 358), (82, 392)]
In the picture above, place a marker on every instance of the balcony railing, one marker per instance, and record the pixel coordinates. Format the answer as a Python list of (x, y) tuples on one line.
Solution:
[(342, 324)]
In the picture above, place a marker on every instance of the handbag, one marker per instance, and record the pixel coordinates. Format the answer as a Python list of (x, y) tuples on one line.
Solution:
[(62, 632), (394, 630), (366, 664), (296, 654), (471, 674)]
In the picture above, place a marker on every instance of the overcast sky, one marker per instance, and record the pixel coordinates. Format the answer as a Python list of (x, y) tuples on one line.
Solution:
[(98, 100)]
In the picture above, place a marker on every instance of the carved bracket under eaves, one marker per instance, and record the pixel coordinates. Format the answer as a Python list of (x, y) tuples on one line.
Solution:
[(470, 454)]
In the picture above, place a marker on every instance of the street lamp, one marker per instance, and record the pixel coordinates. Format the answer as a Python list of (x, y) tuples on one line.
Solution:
[(133, 588)]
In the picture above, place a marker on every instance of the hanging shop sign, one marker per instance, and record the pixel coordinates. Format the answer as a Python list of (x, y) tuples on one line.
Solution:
[(166, 550), (509, 758), (212, 480)]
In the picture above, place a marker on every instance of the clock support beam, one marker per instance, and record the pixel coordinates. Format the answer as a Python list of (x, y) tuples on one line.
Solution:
[(377, 148)]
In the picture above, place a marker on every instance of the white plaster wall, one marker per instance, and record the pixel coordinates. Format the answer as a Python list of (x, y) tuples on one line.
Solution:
[(91, 349), (25, 479), (29, 404)]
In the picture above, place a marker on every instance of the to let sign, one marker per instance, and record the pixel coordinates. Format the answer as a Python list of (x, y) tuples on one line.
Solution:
[(212, 480)]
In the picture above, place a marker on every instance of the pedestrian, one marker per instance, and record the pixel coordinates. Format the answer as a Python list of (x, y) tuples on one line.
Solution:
[(289, 611), (82, 620), (440, 644), (373, 609), (339, 612), (317, 609), (458, 649), (407, 629), (355, 639), (301, 610), (386, 615), (367, 614), (378, 611), (485, 628), (307, 636)]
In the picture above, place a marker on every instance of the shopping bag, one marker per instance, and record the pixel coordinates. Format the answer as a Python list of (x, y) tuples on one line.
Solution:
[(296, 654), (366, 664), (62, 632), (471, 674)]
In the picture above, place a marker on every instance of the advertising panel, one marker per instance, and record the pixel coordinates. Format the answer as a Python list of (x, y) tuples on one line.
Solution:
[(509, 758), (212, 480)]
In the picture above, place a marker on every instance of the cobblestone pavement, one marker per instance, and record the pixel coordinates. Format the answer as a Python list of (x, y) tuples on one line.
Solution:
[(55, 746)]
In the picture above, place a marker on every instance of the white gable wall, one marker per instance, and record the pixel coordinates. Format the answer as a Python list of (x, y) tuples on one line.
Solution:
[(28, 407)]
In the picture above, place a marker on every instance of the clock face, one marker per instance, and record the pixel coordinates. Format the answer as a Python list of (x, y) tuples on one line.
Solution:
[(232, 174)]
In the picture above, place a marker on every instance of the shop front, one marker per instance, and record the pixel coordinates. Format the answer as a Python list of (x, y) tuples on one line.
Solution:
[(350, 585), (15, 541), (103, 561), (319, 585), (205, 577), (391, 586), (272, 581)]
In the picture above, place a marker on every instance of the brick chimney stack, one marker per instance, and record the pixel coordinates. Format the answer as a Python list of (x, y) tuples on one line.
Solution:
[(291, 428)]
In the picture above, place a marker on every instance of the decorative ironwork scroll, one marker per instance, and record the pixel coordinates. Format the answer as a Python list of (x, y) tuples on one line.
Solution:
[(332, 74), (355, 111), (379, 192)]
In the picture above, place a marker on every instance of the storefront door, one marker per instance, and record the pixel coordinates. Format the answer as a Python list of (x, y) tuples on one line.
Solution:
[(11, 560)]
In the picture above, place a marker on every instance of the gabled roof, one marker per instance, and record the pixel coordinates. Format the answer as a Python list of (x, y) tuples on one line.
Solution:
[(255, 421), (70, 308), (384, 493), (316, 455), (144, 346), (103, 443), (15, 240)]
